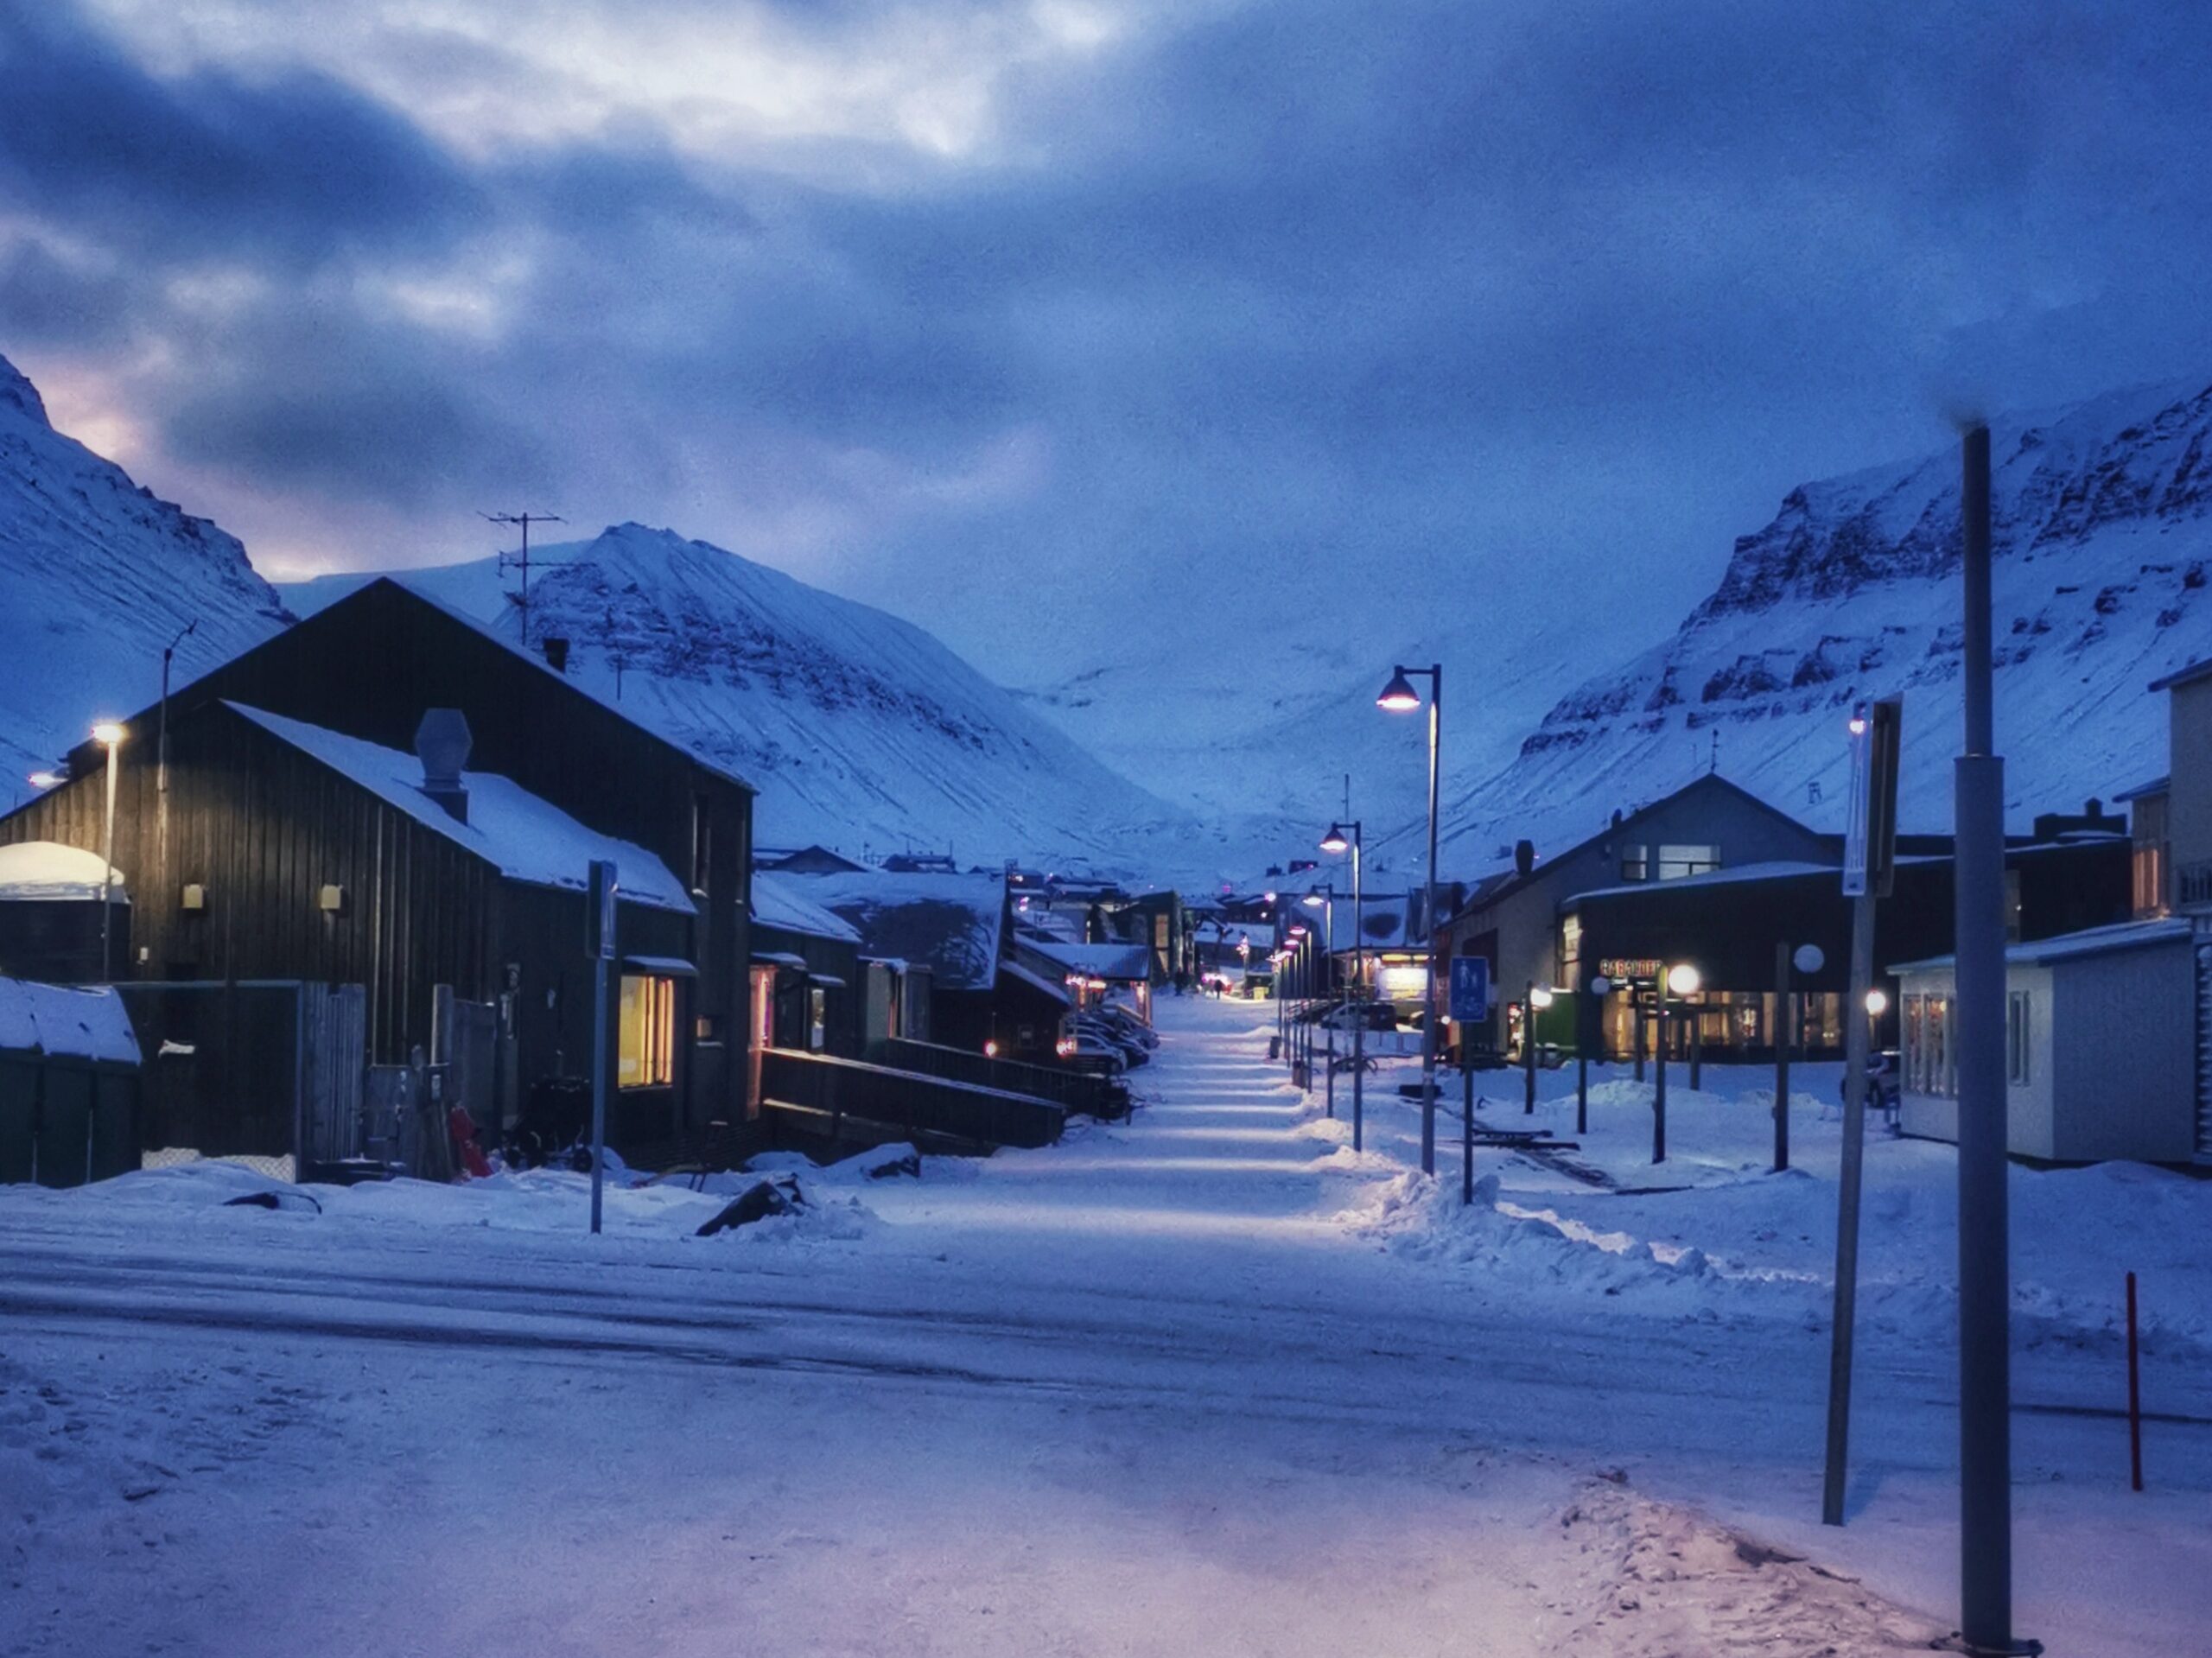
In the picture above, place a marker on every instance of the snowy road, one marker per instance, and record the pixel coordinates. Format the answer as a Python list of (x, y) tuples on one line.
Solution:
[(1169, 1387)]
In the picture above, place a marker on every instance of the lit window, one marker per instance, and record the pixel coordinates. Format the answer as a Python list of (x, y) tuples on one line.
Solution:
[(817, 1018), (645, 1048), (1676, 861)]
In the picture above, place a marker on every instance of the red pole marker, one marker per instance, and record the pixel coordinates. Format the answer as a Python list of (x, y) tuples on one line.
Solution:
[(2134, 1394)]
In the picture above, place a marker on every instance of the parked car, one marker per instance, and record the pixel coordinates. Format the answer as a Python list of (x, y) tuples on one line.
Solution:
[(1104, 1030), (1127, 1023), (1094, 1054)]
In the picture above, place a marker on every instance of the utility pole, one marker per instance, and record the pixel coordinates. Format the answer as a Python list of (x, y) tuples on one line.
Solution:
[(522, 559), (1984, 1270)]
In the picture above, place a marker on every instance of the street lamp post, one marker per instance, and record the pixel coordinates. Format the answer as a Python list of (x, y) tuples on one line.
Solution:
[(1681, 980), (1337, 839), (1399, 697), (109, 735), (1538, 998), (1314, 900)]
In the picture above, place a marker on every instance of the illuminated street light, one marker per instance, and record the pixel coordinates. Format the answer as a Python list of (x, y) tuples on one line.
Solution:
[(1335, 841), (1541, 997), (1684, 979), (1399, 697), (109, 735), (1877, 1003), (47, 779)]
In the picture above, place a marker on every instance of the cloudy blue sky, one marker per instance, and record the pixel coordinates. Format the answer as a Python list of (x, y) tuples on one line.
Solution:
[(982, 308)]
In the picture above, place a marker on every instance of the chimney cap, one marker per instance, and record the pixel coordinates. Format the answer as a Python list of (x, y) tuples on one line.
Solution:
[(443, 742)]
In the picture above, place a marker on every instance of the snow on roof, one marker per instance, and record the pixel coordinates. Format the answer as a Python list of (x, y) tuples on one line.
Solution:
[(74, 1024), (1015, 970), (949, 923), (1780, 869), (1125, 962), (522, 836), (2074, 946), (47, 870), (783, 902)]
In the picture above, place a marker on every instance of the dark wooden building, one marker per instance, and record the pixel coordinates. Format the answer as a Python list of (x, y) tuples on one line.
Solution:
[(806, 963), (253, 827)]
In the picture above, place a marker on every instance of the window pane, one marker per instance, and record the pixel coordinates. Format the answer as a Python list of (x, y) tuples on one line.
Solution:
[(1675, 861), (645, 1051)]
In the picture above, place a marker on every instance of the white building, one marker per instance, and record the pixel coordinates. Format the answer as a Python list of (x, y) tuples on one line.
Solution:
[(2099, 1045)]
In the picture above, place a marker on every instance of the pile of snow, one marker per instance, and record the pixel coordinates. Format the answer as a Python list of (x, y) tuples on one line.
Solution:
[(66, 1023), (47, 871)]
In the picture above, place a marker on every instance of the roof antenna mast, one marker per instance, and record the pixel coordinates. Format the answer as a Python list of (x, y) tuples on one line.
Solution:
[(521, 560)]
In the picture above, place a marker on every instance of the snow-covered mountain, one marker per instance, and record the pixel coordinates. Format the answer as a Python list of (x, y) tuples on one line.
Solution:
[(861, 731), (2102, 538), (97, 577)]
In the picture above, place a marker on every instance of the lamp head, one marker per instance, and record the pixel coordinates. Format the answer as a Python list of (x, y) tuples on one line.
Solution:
[(1877, 1002), (109, 732), (46, 779), (1312, 900), (1541, 997), (1336, 840), (1684, 979), (1399, 696)]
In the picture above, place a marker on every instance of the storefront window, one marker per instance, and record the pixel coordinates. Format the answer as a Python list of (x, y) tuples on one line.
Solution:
[(818, 1017), (645, 1044)]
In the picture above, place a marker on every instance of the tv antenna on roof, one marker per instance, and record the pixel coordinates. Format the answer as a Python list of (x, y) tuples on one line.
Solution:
[(522, 559)]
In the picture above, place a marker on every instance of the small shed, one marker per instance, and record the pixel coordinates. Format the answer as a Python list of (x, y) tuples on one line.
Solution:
[(51, 899), (2101, 1046), (69, 1084)]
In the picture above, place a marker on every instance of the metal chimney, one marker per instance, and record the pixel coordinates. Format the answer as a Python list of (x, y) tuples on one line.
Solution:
[(556, 654), (443, 742)]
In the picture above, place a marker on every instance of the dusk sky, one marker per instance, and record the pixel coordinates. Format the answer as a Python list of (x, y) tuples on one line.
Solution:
[(981, 310)]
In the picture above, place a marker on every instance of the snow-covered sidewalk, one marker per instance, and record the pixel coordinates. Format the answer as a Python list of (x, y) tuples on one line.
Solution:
[(1204, 1381)]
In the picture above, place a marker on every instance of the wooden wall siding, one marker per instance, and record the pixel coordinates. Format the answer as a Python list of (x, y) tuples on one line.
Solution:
[(371, 664)]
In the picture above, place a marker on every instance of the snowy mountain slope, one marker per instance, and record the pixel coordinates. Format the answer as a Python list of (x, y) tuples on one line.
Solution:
[(97, 577), (2102, 533), (861, 731), (1260, 733)]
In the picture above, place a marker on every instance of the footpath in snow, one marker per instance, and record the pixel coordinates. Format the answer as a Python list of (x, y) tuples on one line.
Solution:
[(1206, 1381)]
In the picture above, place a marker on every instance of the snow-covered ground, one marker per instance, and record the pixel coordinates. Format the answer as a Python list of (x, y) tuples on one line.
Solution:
[(1204, 1381)]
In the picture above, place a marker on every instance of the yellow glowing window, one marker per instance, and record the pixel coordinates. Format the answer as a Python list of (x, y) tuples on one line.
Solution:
[(645, 1048)]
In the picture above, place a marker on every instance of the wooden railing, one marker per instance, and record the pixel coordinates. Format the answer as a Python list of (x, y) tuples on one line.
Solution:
[(1077, 1093), (876, 1097)]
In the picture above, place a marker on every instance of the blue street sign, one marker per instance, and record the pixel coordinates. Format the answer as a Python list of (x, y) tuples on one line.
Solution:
[(1470, 988)]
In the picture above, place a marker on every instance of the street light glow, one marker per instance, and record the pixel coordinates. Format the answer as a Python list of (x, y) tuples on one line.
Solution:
[(1312, 900), (109, 732), (45, 779), (1877, 1003), (1399, 696), (1336, 840), (1541, 997), (1684, 979)]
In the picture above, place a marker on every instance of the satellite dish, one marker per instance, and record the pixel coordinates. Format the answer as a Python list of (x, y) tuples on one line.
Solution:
[(1808, 959)]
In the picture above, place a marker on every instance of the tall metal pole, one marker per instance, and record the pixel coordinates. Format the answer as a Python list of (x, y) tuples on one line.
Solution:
[(1782, 999), (1659, 1077), (1328, 977), (1428, 922), (1847, 1189), (1528, 1049), (107, 878), (1985, 1276), (1359, 1022)]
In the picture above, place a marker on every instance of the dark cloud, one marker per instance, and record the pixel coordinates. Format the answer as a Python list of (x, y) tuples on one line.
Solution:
[(291, 169), (1448, 296)]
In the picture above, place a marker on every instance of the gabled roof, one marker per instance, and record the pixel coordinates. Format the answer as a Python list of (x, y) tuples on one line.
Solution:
[(524, 838), (382, 590), (2156, 787), (781, 901), (951, 924), (1494, 887), (1127, 964)]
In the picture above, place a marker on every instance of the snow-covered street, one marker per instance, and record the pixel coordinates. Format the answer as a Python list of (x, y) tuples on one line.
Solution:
[(1204, 1381)]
